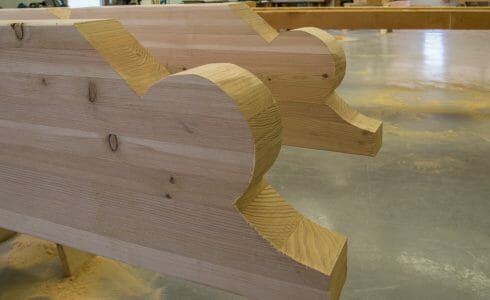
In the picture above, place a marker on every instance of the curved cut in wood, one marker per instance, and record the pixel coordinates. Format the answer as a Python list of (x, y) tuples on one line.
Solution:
[(296, 236), (103, 151), (302, 67)]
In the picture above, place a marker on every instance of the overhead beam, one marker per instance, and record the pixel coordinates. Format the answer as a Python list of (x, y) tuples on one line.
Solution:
[(377, 17)]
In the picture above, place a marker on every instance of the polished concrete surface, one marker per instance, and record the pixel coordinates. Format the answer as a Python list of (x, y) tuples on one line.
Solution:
[(417, 216)]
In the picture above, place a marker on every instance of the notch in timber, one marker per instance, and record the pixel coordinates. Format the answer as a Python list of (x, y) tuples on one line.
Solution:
[(92, 92), (72, 260), (18, 29)]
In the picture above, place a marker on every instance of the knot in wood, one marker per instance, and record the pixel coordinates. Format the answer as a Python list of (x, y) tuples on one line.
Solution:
[(113, 142), (18, 29), (92, 92)]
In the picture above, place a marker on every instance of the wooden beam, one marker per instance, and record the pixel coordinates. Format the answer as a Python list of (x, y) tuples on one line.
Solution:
[(377, 17), (302, 68), (104, 151)]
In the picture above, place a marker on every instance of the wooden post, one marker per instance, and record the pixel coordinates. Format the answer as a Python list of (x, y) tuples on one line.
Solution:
[(72, 259)]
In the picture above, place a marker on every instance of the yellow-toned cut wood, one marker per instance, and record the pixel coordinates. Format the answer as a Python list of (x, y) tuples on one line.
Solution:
[(296, 236), (377, 17), (257, 23), (365, 135), (72, 259), (60, 12)]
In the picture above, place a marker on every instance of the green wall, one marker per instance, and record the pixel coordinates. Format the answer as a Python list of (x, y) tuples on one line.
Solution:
[(14, 3)]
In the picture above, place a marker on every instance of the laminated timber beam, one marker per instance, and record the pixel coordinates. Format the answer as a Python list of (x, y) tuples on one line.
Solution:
[(377, 17), (103, 150), (302, 68), (72, 260)]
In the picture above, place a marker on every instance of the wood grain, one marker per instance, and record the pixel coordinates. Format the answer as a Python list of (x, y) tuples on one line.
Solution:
[(182, 193), (454, 18), (302, 66)]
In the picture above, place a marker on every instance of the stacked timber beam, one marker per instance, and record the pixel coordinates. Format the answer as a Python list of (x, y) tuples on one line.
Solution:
[(106, 151), (377, 17), (302, 68)]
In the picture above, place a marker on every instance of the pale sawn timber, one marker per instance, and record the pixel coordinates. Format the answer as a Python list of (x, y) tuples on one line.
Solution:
[(104, 151), (6, 234), (301, 67), (72, 260)]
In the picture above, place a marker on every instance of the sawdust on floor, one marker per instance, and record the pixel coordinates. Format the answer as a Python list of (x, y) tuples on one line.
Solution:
[(30, 269)]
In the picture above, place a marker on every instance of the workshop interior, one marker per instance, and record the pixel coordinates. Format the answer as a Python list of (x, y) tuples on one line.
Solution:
[(229, 150)]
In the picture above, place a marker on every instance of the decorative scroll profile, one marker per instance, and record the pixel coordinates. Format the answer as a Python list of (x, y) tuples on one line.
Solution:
[(162, 171)]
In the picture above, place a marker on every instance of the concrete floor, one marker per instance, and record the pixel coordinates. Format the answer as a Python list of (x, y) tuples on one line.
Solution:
[(417, 215)]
